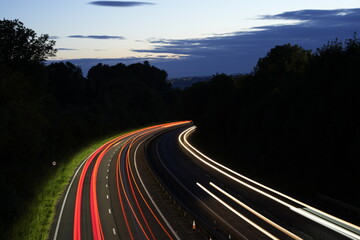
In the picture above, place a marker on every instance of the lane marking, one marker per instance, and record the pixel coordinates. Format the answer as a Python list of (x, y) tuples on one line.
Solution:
[(66, 196), (345, 231), (114, 231), (109, 211), (193, 195), (150, 197)]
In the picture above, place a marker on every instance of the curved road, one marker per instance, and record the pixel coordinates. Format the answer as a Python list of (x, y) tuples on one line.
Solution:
[(121, 191), (111, 196)]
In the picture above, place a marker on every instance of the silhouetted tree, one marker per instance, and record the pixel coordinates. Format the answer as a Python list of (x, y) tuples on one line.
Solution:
[(18, 43)]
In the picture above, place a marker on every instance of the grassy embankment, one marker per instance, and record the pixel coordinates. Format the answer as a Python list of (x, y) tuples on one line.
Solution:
[(36, 222)]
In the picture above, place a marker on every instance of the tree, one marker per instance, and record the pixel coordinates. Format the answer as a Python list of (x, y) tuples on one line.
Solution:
[(18, 43), (283, 61)]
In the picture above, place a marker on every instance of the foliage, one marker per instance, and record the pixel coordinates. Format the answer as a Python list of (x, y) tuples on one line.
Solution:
[(18, 43), (49, 112), (36, 221), (295, 117)]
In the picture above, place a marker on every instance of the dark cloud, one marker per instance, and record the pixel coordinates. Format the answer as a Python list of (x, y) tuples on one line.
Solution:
[(97, 37), (119, 3), (67, 49), (239, 51)]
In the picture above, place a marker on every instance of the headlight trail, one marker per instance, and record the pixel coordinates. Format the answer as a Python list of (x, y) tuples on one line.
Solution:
[(237, 213), (347, 229), (256, 213)]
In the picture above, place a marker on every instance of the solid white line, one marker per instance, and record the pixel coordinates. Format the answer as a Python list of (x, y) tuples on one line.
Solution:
[(187, 131), (151, 199), (191, 129), (66, 196), (209, 209)]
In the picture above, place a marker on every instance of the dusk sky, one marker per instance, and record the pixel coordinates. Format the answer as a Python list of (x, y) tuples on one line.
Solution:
[(185, 38)]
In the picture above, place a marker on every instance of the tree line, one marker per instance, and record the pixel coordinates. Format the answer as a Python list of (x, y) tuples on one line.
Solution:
[(294, 119), (48, 112), (293, 123)]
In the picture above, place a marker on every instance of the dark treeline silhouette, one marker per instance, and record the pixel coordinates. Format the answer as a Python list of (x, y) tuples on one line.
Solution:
[(48, 112), (293, 123)]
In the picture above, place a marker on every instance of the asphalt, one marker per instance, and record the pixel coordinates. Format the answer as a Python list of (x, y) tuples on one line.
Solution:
[(146, 188), (126, 209), (180, 171)]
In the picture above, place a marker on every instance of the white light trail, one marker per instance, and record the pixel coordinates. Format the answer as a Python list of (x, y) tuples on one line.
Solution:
[(237, 213), (256, 213), (216, 166)]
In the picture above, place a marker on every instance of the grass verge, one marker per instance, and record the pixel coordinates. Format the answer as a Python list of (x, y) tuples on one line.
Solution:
[(36, 221)]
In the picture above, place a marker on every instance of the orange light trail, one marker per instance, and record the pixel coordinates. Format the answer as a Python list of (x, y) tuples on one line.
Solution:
[(146, 203), (98, 156)]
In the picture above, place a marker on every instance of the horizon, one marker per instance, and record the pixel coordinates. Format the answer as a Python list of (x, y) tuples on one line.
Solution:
[(186, 38)]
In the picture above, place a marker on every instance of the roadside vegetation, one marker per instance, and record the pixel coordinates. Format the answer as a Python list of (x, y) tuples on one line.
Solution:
[(49, 112), (293, 123), (38, 216)]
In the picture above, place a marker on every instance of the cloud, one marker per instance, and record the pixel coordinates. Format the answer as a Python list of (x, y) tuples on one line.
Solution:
[(67, 49), (239, 51), (97, 37), (119, 3)]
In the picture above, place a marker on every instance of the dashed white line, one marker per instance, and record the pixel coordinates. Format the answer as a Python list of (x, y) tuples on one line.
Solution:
[(114, 231), (109, 211)]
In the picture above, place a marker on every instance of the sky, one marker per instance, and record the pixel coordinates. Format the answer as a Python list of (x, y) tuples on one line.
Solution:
[(185, 38)]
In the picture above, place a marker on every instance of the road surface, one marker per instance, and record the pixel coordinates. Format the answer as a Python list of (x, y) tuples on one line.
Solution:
[(112, 196), (153, 184), (231, 205)]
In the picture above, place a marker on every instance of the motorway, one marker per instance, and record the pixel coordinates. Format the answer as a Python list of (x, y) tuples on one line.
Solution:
[(112, 196), (230, 205), (153, 184)]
